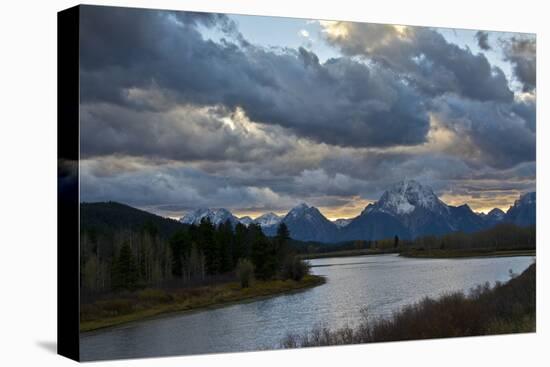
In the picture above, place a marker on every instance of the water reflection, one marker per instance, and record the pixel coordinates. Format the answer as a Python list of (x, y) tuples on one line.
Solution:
[(383, 283)]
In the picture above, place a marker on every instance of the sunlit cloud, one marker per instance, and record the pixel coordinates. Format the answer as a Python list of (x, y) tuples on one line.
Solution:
[(257, 128), (334, 28)]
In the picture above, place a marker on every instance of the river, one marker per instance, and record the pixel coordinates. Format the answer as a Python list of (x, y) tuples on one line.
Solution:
[(382, 283)]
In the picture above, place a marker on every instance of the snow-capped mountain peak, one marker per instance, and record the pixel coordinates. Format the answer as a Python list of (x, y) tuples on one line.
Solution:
[(268, 220), (528, 198), (298, 210), (496, 214), (341, 223), (307, 223), (216, 216), (524, 210), (404, 197), (246, 220)]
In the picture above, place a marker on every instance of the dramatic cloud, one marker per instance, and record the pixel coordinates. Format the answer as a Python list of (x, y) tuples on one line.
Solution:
[(483, 40), (502, 137), (478, 105), (183, 133), (341, 102), (522, 53), (179, 110), (174, 188), (424, 57), (526, 107)]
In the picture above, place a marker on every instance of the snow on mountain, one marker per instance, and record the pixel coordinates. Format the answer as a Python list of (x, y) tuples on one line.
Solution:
[(409, 209), (340, 223), (306, 223), (298, 211), (495, 215), (246, 220), (268, 220), (529, 198), (216, 216), (404, 197), (524, 210)]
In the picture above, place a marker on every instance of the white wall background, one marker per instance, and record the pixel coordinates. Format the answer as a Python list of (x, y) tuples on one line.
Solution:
[(28, 182)]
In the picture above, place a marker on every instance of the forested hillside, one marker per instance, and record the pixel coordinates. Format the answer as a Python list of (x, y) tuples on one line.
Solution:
[(123, 248), (112, 216)]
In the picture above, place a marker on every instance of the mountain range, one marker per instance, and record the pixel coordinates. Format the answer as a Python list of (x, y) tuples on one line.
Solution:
[(407, 209)]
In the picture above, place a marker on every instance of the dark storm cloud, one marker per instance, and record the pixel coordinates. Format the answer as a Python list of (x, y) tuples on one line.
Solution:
[(425, 58), (527, 109), (503, 137), (115, 36), (341, 102), (332, 182), (185, 133), (492, 126), (181, 188), (522, 176), (170, 119), (378, 171), (521, 51), (482, 38)]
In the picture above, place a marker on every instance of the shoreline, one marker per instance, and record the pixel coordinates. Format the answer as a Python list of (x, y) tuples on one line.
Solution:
[(432, 254), (224, 295), (230, 293), (345, 253), (506, 308), (463, 254)]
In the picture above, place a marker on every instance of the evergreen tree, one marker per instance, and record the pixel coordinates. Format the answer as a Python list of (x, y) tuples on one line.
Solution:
[(239, 240), (195, 263), (150, 228), (208, 246), (224, 246), (264, 257), (281, 246), (124, 271), (180, 245), (253, 234), (283, 234)]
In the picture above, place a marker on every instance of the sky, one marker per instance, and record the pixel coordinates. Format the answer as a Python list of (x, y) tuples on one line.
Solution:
[(183, 110)]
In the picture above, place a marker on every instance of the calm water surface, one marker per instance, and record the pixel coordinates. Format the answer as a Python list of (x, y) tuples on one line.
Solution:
[(383, 283)]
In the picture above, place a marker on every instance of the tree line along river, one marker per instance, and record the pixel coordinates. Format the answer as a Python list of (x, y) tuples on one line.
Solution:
[(382, 283)]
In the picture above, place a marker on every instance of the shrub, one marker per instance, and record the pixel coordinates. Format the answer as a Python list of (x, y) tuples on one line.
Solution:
[(294, 268), (245, 272), (154, 295), (88, 312), (116, 306), (506, 308)]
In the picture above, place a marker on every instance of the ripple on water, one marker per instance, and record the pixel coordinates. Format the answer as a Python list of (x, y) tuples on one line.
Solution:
[(382, 283)]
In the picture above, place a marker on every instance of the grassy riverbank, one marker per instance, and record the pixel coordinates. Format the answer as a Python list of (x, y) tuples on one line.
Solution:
[(443, 254), (505, 308), (345, 253), (428, 254), (149, 303)]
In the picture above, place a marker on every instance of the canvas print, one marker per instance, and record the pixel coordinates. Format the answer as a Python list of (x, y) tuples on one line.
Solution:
[(251, 182)]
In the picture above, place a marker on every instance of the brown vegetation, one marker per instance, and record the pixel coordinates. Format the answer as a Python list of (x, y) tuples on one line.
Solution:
[(502, 237), (137, 305), (505, 308)]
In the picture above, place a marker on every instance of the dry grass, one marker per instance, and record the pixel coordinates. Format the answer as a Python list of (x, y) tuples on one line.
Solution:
[(505, 308), (347, 253), (153, 302), (454, 253)]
